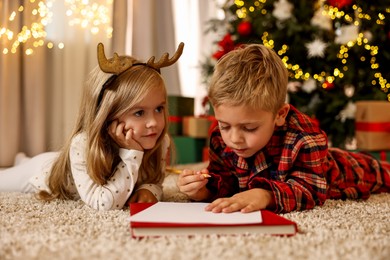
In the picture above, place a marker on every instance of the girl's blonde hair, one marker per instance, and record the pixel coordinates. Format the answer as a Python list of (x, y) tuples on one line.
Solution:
[(102, 153), (253, 75)]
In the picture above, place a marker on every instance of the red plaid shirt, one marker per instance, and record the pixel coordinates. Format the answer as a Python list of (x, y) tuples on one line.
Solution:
[(297, 166)]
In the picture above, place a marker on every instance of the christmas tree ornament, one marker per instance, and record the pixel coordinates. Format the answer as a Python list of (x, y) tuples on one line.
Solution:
[(316, 48), (349, 90), (328, 85), (348, 112), (309, 85), (347, 33), (282, 10), (244, 28), (293, 86), (322, 20), (340, 4), (368, 35)]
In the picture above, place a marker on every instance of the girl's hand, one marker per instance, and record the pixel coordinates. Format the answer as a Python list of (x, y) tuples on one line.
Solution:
[(122, 137), (193, 184), (142, 195), (246, 201)]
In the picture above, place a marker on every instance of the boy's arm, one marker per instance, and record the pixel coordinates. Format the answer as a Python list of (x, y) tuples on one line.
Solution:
[(301, 183)]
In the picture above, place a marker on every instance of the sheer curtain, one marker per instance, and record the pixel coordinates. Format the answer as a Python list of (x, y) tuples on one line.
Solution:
[(155, 27), (22, 89), (40, 93), (190, 20)]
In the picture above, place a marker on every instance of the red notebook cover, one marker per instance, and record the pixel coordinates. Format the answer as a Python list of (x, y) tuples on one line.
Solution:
[(271, 224)]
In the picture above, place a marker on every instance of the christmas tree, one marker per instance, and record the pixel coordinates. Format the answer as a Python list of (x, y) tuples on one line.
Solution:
[(336, 52)]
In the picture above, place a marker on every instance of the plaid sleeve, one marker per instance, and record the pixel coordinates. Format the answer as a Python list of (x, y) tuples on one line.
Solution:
[(299, 182), (223, 182), (357, 175)]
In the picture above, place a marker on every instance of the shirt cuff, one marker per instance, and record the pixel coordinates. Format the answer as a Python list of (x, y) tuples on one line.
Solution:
[(153, 188)]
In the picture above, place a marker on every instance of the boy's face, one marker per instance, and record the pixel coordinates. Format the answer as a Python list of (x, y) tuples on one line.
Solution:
[(245, 130)]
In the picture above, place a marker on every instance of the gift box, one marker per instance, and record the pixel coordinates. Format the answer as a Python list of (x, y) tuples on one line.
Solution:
[(372, 125), (205, 155), (175, 125), (188, 149), (180, 106), (197, 127), (379, 155)]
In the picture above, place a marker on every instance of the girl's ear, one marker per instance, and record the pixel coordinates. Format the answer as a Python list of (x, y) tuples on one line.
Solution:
[(281, 115)]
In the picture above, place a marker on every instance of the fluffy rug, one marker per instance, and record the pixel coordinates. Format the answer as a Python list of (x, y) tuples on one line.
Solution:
[(30, 229)]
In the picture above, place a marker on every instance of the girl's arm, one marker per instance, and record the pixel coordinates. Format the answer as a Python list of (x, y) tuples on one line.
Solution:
[(112, 195), (156, 188)]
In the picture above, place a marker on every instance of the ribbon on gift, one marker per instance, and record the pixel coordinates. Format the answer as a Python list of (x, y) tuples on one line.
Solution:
[(372, 126), (383, 155), (175, 119)]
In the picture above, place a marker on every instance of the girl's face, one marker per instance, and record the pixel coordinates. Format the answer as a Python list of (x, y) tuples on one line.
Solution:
[(147, 119), (245, 130)]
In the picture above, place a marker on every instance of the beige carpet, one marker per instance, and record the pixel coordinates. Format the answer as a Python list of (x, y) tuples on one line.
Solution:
[(30, 229)]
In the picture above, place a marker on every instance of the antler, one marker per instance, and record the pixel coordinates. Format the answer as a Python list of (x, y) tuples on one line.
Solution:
[(164, 61), (114, 65)]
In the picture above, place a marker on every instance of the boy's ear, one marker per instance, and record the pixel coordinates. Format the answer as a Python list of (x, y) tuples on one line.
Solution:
[(281, 115)]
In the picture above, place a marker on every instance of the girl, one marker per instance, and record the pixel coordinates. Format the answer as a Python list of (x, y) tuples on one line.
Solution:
[(118, 146)]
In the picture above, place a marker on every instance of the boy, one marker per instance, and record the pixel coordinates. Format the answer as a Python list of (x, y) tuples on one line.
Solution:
[(264, 153)]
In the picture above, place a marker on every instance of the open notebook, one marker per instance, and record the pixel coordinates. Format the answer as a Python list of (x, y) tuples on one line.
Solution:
[(189, 219)]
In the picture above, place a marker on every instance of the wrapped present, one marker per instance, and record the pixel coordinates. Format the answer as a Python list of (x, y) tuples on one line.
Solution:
[(188, 149), (205, 155), (381, 155), (372, 129), (175, 125), (180, 106), (196, 126)]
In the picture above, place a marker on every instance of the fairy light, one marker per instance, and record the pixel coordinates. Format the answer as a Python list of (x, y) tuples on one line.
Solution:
[(89, 15), (243, 10), (334, 13), (33, 34)]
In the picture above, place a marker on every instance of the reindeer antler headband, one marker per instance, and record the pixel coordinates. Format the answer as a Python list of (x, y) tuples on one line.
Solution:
[(116, 66)]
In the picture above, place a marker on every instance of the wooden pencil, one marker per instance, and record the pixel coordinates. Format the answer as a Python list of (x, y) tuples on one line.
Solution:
[(178, 171)]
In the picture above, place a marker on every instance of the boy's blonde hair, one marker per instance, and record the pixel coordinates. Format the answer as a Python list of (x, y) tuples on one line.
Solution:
[(102, 153), (253, 75)]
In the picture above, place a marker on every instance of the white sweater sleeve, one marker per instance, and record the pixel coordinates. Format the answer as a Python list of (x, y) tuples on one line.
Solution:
[(119, 187)]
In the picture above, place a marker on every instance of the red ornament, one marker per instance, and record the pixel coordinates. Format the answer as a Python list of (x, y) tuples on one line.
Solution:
[(328, 85), (244, 28), (340, 3)]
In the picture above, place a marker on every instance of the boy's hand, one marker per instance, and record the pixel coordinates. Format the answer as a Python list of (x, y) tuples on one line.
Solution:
[(193, 184), (142, 195), (123, 138), (246, 201)]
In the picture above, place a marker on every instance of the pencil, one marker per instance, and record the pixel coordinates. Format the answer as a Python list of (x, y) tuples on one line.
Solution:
[(178, 171), (173, 170)]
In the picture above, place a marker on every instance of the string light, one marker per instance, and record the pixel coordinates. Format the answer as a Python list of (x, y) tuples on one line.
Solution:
[(33, 33), (89, 15), (92, 16)]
